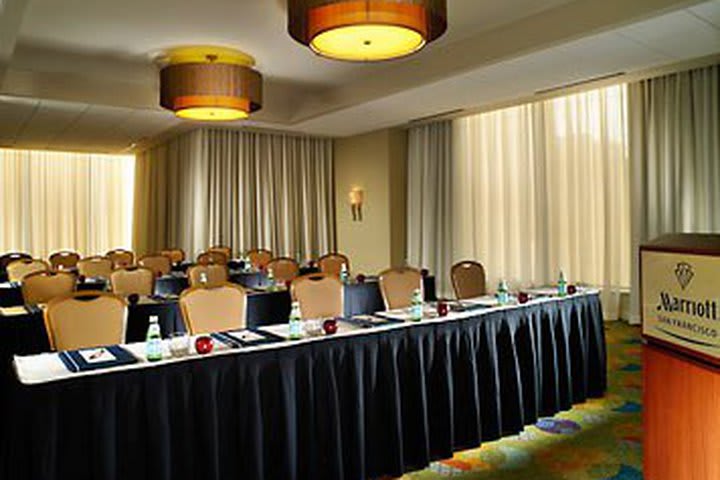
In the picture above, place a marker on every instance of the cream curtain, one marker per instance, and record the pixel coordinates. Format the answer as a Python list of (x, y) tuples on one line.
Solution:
[(429, 202), (535, 189), (52, 201), (675, 147), (240, 188)]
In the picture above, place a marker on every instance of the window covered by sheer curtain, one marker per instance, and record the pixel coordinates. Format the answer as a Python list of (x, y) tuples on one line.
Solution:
[(544, 187), (53, 200)]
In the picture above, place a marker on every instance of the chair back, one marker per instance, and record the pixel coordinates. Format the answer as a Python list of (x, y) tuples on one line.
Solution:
[(332, 263), (41, 287), (8, 258), (468, 279), (283, 269), (85, 319), (176, 255), (320, 296), (227, 251), (212, 258), (64, 260), (121, 258), (259, 257), (216, 309), (397, 286), (95, 267), (216, 275), (18, 269), (132, 280), (159, 264)]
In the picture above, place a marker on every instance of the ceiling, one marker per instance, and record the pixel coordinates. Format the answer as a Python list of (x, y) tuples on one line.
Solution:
[(79, 74)]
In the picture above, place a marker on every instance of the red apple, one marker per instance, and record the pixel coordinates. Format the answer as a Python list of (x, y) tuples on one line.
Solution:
[(330, 326), (360, 278), (571, 289), (204, 345), (443, 308), (523, 297)]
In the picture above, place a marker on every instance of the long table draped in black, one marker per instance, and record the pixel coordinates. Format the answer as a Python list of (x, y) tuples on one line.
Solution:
[(381, 403)]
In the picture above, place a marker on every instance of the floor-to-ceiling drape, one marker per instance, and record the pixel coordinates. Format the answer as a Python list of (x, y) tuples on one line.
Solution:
[(429, 205), (55, 200), (675, 148), (536, 189), (244, 189)]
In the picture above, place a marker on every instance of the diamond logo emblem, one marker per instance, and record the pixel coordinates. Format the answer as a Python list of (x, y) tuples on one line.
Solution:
[(684, 274)]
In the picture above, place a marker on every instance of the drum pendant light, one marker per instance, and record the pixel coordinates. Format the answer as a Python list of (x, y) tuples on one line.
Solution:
[(366, 30), (210, 83)]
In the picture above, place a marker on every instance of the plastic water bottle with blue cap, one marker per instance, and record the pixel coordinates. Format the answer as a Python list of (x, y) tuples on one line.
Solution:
[(153, 341), (503, 295), (295, 325), (416, 306), (562, 285)]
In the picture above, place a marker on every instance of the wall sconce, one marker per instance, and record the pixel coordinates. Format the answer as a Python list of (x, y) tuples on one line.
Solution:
[(357, 197)]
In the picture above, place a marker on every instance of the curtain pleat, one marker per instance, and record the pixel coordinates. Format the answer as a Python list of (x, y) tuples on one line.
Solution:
[(674, 137), (54, 200), (238, 188)]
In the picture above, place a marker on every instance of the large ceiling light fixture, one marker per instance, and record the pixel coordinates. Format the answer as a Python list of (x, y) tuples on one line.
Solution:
[(366, 30), (210, 83)]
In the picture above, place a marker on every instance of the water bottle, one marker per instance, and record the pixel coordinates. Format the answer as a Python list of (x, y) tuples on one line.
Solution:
[(203, 278), (562, 284), (153, 341), (416, 306), (271, 279), (344, 274), (295, 325), (503, 296)]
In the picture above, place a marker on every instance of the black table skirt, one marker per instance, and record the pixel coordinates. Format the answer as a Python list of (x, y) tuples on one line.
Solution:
[(345, 408)]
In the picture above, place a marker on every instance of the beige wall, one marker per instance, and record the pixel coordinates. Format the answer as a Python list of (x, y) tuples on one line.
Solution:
[(375, 162)]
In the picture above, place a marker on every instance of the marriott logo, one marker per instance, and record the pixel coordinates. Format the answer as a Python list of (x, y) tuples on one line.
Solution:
[(698, 308)]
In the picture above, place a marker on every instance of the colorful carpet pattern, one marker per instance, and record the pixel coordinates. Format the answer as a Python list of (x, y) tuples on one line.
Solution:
[(601, 439)]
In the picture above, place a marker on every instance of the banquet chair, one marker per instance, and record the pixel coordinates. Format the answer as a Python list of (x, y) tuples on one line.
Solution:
[(132, 280), (320, 295), (18, 269), (468, 279), (159, 264), (176, 255), (85, 319), (259, 258), (227, 251), (216, 275), (100, 267), (214, 309), (41, 287), (332, 263), (284, 269), (212, 258), (397, 286), (8, 258), (64, 260), (121, 258)]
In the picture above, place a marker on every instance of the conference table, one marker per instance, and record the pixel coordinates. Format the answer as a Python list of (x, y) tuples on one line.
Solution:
[(383, 396)]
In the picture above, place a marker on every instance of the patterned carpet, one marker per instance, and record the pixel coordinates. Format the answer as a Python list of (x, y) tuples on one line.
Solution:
[(601, 439)]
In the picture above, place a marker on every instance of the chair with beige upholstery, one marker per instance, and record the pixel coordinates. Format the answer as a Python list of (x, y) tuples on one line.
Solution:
[(159, 264), (227, 251), (176, 255), (216, 275), (18, 269), (41, 287), (320, 296), (259, 258), (85, 319), (284, 269), (212, 258), (468, 279), (8, 258), (215, 309), (132, 280), (397, 286), (100, 267), (64, 260), (121, 258), (332, 263)]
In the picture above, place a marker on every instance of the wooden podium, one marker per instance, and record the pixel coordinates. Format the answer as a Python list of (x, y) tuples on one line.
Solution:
[(680, 294)]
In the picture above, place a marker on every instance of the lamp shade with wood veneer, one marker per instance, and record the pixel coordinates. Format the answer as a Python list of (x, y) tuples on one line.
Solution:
[(210, 83), (366, 30)]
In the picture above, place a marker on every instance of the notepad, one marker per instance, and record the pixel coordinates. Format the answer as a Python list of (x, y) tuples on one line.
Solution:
[(13, 311), (96, 358)]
